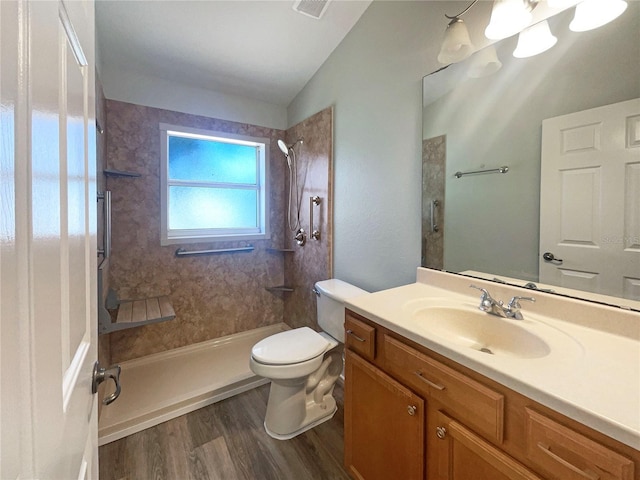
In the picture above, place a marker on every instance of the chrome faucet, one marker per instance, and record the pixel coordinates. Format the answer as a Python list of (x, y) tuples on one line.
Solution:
[(513, 307), (489, 305), (496, 307)]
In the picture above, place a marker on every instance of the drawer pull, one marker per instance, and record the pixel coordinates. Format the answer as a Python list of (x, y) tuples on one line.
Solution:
[(360, 339), (429, 382), (584, 473), (441, 433)]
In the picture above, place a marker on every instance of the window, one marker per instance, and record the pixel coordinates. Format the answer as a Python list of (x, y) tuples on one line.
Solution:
[(213, 186)]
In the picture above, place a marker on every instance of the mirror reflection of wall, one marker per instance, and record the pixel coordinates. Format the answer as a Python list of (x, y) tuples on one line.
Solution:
[(491, 222)]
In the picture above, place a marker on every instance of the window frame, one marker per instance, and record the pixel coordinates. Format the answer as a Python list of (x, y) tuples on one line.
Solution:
[(183, 236)]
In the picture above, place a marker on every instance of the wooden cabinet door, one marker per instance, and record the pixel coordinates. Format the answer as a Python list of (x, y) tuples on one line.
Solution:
[(463, 455), (384, 425)]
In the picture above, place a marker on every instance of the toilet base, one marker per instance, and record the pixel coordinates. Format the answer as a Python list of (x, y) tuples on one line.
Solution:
[(312, 423), (298, 404)]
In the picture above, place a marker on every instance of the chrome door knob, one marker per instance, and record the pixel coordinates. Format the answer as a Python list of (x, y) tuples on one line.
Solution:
[(100, 375)]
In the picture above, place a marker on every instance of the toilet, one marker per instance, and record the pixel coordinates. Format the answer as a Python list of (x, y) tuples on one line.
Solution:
[(303, 365)]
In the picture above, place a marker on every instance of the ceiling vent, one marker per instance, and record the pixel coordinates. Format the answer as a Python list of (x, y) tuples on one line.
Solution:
[(311, 8)]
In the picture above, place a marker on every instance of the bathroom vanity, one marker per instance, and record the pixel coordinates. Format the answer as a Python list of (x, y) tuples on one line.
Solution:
[(437, 389)]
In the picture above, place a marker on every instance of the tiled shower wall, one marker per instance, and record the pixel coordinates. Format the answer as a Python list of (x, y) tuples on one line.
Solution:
[(312, 262), (213, 295)]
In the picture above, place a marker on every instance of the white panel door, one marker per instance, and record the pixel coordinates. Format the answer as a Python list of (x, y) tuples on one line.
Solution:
[(590, 200), (48, 240)]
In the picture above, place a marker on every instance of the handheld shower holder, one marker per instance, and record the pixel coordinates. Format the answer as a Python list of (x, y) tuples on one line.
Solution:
[(301, 237)]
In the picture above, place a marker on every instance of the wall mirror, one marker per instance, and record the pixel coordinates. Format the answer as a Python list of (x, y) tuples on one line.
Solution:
[(489, 224)]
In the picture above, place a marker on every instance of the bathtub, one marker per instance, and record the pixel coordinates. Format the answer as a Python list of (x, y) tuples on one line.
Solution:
[(165, 385)]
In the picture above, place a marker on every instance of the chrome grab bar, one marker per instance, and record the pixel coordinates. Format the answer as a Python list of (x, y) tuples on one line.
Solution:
[(105, 251), (181, 252), (434, 224), (313, 200)]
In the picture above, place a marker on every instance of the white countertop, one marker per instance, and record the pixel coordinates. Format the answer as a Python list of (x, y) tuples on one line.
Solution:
[(592, 373)]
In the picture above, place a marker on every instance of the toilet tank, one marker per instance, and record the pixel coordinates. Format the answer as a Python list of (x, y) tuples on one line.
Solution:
[(331, 296)]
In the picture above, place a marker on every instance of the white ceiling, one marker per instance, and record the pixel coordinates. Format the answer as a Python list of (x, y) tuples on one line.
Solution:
[(262, 50)]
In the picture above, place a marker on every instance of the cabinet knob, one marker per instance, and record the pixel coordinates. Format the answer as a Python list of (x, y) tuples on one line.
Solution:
[(411, 409), (441, 432)]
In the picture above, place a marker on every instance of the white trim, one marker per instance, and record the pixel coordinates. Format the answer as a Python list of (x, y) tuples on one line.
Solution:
[(72, 36)]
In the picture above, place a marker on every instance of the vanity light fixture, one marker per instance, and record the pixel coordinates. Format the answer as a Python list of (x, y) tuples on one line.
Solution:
[(509, 17), (592, 14), (534, 40), (456, 44)]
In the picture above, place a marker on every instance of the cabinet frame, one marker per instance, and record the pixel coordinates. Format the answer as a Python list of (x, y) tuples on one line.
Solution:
[(513, 445)]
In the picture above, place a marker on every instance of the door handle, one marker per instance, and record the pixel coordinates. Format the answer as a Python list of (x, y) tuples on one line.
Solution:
[(100, 375), (550, 257)]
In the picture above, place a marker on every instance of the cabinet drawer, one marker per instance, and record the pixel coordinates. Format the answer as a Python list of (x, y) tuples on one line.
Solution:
[(360, 337), (469, 401), (564, 454)]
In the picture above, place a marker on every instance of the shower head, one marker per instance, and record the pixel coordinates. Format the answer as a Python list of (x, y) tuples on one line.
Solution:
[(284, 148)]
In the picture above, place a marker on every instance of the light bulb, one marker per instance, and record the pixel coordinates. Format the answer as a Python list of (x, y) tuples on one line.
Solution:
[(508, 17), (534, 40), (592, 14)]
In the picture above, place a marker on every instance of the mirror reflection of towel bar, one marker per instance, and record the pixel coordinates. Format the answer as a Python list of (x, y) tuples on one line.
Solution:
[(503, 169)]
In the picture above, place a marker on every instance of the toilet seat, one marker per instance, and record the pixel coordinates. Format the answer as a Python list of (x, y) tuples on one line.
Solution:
[(290, 347)]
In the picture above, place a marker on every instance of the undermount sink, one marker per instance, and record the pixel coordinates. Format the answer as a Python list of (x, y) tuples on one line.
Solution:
[(482, 332)]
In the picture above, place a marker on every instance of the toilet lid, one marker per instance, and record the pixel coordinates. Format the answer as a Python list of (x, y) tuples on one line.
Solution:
[(292, 346)]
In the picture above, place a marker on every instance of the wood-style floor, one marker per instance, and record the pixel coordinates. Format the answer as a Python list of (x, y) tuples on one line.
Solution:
[(227, 441)]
